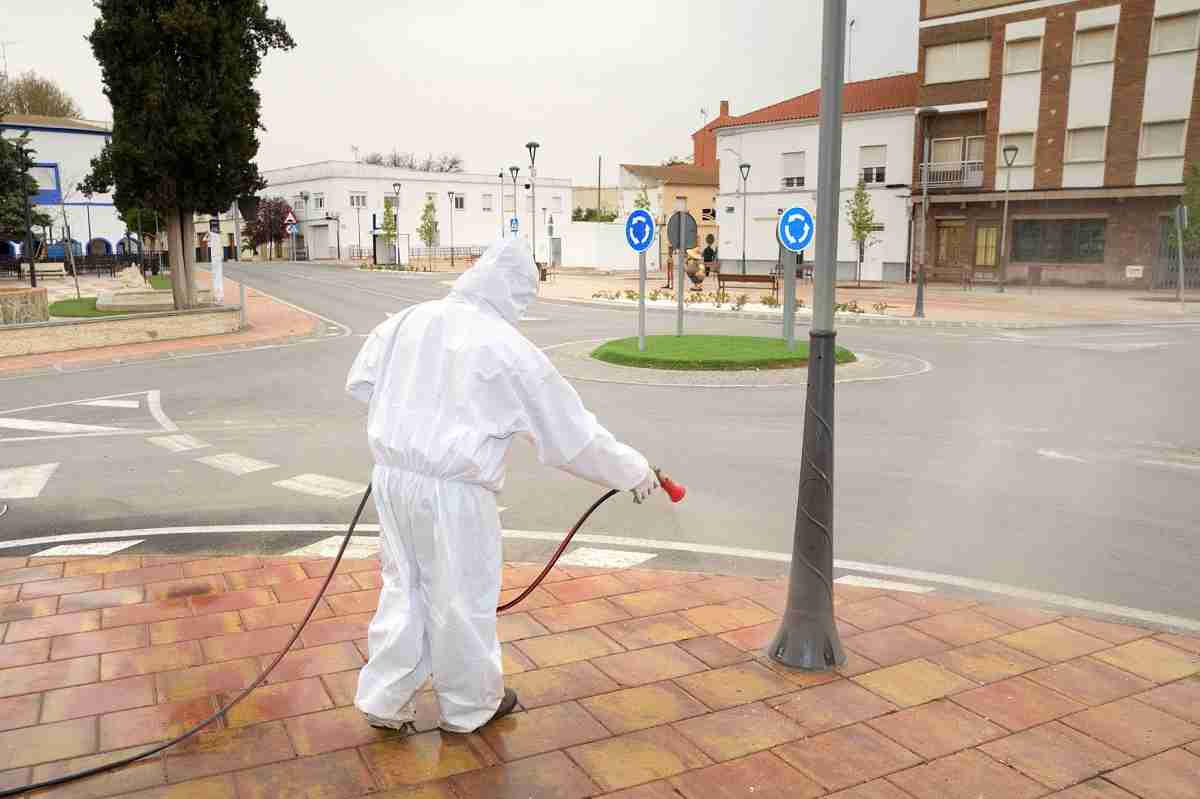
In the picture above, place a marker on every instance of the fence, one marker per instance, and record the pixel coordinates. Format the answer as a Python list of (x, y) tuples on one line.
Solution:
[(438, 253)]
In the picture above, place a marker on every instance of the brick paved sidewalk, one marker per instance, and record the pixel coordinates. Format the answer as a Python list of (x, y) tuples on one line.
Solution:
[(635, 684)]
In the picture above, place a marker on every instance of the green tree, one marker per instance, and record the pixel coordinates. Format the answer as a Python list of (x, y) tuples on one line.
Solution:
[(33, 94), (1191, 201), (427, 231), (179, 75), (16, 158), (642, 200), (390, 214), (861, 217)]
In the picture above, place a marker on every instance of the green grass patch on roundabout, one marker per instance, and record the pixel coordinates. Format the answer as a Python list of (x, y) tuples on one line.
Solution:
[(709, 353), (80, 308)]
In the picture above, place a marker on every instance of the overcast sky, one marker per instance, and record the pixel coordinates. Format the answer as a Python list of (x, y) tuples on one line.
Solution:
[(619, 79)]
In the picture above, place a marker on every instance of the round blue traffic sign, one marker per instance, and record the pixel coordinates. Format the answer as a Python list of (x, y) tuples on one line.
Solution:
[(795, 229), (639, 230)]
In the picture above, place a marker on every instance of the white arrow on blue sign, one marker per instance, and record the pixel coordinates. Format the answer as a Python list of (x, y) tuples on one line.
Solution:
[(795, 229), (639, 230), (513, 224), (293, 229)]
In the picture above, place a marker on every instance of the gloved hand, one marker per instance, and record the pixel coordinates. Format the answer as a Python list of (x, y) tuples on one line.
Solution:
[(645, 488)]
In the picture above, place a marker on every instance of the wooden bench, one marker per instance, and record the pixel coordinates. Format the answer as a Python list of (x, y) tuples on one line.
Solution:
[(54, 269), (723, 278)]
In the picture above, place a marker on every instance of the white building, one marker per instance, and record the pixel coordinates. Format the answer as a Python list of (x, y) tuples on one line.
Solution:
[(779, 143), (63, 152), (339, 204)]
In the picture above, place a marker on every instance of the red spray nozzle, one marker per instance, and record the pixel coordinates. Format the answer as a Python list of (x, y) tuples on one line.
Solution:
[(674, 490)]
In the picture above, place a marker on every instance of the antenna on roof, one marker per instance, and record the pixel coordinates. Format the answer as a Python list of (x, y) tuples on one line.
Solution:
[(703, 116)]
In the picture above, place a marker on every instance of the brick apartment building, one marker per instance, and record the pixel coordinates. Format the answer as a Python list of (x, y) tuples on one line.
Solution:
[(1099, 99)]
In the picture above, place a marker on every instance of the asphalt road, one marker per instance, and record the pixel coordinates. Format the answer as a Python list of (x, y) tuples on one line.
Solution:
[(1059, 460)]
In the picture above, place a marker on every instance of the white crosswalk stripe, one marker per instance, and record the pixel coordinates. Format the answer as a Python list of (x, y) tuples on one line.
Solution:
[(318, 485), (178, 443), (236, 464), (25, 482), (887, 585), (605, 558), (41, 426), (98, 548), (111, 403), (361, 546)]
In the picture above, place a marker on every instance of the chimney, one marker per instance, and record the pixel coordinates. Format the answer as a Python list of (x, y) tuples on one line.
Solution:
[(724, 108)]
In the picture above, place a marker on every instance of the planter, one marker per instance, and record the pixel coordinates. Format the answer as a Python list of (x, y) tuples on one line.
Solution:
[(144, 300), (21, 305)]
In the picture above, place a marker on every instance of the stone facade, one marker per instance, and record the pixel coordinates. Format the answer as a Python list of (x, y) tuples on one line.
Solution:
[(22, 305), (34, 339)]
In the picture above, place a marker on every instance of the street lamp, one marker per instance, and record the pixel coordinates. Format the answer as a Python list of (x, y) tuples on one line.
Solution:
[(532, 147), (744, 168), (1010, 156), (396, 236), (450, 195), (919, 305), (501, 198), (514, 171)]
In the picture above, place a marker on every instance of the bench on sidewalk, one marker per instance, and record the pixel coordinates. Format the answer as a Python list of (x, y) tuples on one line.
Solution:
[(771, 280), (51, 270)]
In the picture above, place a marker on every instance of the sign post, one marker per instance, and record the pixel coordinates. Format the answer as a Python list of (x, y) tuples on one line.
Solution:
[(292, 228), (218, 262), (639, 234), (513, 226), (795, 233), (681, 233), (1181, 223)]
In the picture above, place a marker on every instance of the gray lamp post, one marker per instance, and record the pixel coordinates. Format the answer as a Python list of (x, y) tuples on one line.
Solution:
[(1010, 156), (744, 168), (919, 306), (501, 199), (514, 171), (396, 238), (450, 195), (532, 147)]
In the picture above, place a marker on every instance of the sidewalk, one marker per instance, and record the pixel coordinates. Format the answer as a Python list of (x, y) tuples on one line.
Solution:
[(268, 320), (942, 302), (636, 684)]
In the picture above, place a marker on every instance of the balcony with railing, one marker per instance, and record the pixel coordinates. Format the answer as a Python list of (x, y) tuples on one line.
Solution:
[(952, 175)]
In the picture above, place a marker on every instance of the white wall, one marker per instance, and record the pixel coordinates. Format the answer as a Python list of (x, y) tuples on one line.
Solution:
[(72, 152), (472, 226), (600, 245), (763, 146)]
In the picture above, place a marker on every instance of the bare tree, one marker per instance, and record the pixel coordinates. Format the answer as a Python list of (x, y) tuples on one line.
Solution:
[(375, 159), (33, 94), (446, 162)]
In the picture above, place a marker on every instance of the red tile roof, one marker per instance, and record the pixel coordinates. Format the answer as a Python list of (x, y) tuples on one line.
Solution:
[(860, 97)]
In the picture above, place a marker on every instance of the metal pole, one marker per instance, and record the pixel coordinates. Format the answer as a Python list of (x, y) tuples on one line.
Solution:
[(358, 224), (451, 235), (337, 226), (599, 166), (807, 636), (533, 222), (501, 199), (679, 277), (237, 235), (86, 249), (919, 309), (28, 219), (242, 304), (745, 224), (642, 301), (1179, 236), (789, 299), (1004, 235)]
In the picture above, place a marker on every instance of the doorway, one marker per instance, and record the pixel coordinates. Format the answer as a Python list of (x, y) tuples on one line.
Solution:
[(949, 257)]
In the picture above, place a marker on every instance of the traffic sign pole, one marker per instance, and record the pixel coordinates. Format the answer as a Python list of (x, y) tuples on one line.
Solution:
[(789, 299), (639, 235), (642, 301)]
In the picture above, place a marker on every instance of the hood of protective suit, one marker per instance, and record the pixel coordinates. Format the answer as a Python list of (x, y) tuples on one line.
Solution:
[(504, 279)]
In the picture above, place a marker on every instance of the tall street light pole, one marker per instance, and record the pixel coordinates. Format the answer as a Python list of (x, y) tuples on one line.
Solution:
[(514, 171), (532, 147), (501, 204), (744, 168), (808, 636), (1010, 157), (925, 114), (450, 195), (396, 231)]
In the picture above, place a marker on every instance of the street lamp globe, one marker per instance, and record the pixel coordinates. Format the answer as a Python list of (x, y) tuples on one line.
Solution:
[(745, 170), (1010, 154), (532, 147)]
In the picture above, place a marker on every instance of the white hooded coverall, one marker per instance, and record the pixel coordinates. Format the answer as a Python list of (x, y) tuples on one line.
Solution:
[(449, 384)]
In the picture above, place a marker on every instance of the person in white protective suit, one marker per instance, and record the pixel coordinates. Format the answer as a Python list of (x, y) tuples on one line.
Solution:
[(449, 384)]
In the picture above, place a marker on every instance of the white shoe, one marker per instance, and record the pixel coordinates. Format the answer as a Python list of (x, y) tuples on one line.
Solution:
[(405, 726)]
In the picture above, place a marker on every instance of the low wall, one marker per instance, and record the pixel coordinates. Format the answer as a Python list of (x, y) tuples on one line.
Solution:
[(22, 304), (61, 336)]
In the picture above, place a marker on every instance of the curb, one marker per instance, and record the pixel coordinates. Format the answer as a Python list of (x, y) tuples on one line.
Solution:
[(869, 321)]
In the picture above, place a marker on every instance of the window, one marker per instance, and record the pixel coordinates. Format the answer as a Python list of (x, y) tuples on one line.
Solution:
[(486, 202), (1024, 145), (1085, 144), (948, 63), (681, 204), (43, 176), (1172, 34), (946, 151), (1024, 55), (708, 214), (873, 162), (460, 202), (1059, 241), (319, 202), (986, 250), (793, 170), (1094, 46), (298, 204), (556, 204), (1162, 139), (358, 201), (729, 209), (975, 148)]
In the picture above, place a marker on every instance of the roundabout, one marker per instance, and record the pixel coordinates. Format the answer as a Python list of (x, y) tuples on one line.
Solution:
[(709, 353)]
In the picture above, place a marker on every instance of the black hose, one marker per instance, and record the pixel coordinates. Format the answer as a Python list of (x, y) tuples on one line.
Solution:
[(125, 761)]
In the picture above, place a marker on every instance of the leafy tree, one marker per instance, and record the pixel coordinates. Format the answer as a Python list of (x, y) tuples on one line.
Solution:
[(16, 158), (861, 217), (446, 162), (677, 160), (428, 229), (390, 214), (33, 94), (642, 200), (592, 215), (268, 227), (1191, 200), (180, 77)]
